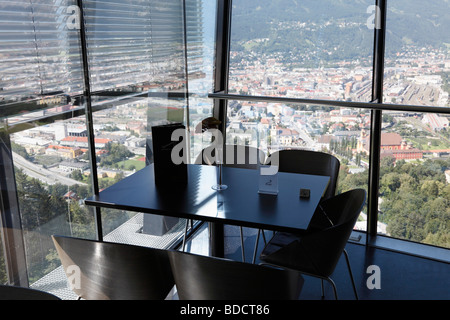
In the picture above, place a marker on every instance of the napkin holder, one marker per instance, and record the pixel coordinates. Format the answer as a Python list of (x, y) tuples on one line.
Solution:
[(166, 171)]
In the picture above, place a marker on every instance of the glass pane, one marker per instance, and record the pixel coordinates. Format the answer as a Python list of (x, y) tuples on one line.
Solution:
[(417, 50), (201, 29), (302, 49), (52, 179), (41, 59), (342, 132), (140, 78), (415, 178)]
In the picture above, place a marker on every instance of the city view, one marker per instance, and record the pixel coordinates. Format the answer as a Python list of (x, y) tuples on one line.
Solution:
[(415, 147)]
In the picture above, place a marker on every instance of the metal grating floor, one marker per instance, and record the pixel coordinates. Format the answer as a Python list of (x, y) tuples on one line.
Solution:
[(56, 283)]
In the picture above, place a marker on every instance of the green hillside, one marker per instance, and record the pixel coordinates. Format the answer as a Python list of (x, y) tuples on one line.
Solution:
[(299, 25)]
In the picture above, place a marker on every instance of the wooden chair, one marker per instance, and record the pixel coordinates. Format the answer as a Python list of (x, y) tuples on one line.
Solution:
[(209, 278), (305, 162), (113, 271), (317, 252)]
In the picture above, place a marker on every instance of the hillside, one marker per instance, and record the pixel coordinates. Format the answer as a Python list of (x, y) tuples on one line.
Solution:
[(299, 25)]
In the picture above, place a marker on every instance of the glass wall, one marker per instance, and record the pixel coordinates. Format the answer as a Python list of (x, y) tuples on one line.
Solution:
[(311, 50), (148, 62), (51, 183), (324, 50), (415, 178), (305, 49), (341, 132), (415, 147), (41, 84)]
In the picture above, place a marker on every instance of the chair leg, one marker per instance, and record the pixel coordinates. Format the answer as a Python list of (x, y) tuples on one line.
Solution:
[(351, 274), (334, 287), (256, 246), (264, 237), (257, 242), (242, 244), (321, 285), (185, 234)]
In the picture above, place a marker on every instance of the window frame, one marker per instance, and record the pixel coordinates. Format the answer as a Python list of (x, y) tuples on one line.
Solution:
[(377, 106)]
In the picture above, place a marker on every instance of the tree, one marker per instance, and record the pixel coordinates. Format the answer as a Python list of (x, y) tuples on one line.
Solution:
[(430, 188), (77, 175), (116, 153)]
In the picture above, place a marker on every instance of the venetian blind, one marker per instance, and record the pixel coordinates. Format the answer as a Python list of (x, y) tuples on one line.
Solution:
[(39, 50), (134, 42)]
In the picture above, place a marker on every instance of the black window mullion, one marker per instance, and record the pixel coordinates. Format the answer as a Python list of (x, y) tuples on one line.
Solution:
[(376, 117), (89, 119), (223, 34)]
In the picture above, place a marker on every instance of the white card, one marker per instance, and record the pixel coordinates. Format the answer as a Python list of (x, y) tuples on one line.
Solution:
[(268, 184)]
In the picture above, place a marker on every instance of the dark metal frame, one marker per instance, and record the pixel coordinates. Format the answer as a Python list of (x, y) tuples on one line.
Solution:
[(375, 135), (222, 50), (89, 119)]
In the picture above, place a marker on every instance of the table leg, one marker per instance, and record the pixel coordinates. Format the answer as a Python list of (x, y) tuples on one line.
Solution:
[(216, 239)]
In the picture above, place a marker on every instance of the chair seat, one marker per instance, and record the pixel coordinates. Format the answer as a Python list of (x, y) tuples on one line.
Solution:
[(285, 250)]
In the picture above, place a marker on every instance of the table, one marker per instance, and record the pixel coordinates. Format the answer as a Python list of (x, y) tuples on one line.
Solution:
[(240, 204)]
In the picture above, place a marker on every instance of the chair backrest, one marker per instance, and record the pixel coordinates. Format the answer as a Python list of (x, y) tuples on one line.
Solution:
[(237, 156), (114, 271), (309, 162), (208, 278), (325, 247), (21, 293)]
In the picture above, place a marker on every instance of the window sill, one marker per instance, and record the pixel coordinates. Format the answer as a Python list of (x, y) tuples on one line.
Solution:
[(402, 246)]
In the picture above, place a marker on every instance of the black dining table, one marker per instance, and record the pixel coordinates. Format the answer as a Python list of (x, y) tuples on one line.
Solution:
[(240, 204)]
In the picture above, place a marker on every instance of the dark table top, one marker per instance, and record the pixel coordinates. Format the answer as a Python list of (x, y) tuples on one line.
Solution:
[(240, 204)]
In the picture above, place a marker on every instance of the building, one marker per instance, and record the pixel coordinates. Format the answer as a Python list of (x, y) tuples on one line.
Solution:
[(65, 152), (82, 142), (71, 166), (392, 145)]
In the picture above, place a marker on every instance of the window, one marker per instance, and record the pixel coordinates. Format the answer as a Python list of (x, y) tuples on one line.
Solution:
[(342, 132), (415, 181), (312, 49), (52, 181), (323, 50), (41, 81), (416, 66), (415, 145), (149, 63), (41, 58), (303, 50)]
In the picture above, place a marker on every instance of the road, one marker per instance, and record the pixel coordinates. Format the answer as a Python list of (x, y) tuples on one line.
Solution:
[(309, 142), (36, 171)]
